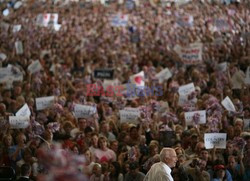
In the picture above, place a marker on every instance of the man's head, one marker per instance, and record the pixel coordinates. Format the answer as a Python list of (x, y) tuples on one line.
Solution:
[(25, 169), (168, 156)]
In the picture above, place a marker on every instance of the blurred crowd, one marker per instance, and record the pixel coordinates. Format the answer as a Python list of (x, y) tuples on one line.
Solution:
[(102, 147)]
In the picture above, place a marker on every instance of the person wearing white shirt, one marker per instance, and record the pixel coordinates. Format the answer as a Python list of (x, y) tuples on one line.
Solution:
[(161, 171)]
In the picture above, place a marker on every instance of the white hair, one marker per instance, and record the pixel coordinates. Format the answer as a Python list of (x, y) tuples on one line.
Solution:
[(166, 153)]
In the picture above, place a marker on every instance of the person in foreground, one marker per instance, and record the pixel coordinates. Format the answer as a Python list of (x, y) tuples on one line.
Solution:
[(25, 172), (161, 171)]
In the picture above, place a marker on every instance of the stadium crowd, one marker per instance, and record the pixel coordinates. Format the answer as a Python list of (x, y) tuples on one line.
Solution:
[(102, 146)]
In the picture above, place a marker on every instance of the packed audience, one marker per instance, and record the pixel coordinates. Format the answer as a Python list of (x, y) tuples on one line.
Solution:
[(102, 147)]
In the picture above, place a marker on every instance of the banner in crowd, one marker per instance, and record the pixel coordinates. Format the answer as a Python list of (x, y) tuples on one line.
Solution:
[(185, 21), (84, 111), (165, 74), (191, 54), (34, 67), (129, 115), (195, 117), (247, 79), (119, 20), (246, 124), (24, 111), (222, 67), (104, 73), (221, 24), (44, 102), (228, 104), (19, 47), (47, 19), (217, 140), (16, 28), (186, 89), (19, 122), (10, 74), (138, 79)]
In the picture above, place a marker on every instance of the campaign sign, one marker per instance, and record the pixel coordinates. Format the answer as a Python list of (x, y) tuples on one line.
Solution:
[(228, 104), (84, 111), (34, 67), (201, 116), (24, 111), (104, 73), (215, 139), (186, 89), (44, 102), (165, 74), (19, 122), (192, 54), (119, 20), (129, 115)]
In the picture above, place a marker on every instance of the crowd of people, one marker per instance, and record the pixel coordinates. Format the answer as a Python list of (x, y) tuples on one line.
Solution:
[(57, 145)]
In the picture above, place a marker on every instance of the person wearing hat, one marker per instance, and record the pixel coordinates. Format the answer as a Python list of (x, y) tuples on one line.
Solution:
[(219, 173)]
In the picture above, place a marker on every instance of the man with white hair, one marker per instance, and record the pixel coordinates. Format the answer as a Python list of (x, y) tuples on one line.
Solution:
[(161, 171)]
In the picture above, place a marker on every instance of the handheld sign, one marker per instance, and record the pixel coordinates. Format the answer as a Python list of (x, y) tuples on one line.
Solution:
[(246, 124), (84, 111), (44, 102), (247, 79), (129, 115), (186, 89), (165, 74), (104, 73), (16, 28), (201, 117), (19, 122), (119, 20), (192, 54), (228, 104), (24, 111), (215, 139), (19, 47), (35, 67)]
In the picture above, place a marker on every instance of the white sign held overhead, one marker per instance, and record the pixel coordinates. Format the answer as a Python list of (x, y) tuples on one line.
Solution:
[(34, 67), (129, 115), (201, 116), (246, 124), (228, 104), (19, 122), (24, 111), (84, 111), (217, 140), (44, 102), (19, 47), (247, 79), (165, 74), (16, 28), (186, 89)]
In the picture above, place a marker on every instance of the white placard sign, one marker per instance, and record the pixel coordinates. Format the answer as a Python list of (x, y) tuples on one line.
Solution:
[(24, 111), (19, 122), (165, 74), (247, 79), (222, 67), (16, 28), (246, 124), (186, 89), (35, 67), (191, 54), (7, 75), (189, 117), (44, 102), (129, 115), (84, 111), (215, 139), (19, 47), (228, 104), (2, 57)]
